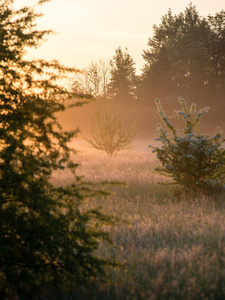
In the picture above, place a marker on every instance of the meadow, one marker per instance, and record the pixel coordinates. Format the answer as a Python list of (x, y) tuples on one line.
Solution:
[(169, 248)]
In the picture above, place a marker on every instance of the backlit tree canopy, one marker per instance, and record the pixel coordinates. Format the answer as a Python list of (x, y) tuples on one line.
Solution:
[(46, 240), (186, 57), (123, 81)]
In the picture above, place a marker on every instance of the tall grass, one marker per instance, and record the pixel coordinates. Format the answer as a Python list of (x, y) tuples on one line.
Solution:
[(170, 249)]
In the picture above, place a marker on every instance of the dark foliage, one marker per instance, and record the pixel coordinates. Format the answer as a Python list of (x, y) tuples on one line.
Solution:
[(123, 81), (186, 58), (47, 238)]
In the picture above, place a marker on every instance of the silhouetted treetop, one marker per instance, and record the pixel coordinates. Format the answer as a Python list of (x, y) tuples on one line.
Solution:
[(186, 57), (123, 81)]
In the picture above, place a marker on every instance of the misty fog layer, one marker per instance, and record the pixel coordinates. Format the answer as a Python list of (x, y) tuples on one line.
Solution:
[(185, 58)]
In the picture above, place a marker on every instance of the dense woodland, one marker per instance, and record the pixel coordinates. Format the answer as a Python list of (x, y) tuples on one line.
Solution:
[(186, 58)]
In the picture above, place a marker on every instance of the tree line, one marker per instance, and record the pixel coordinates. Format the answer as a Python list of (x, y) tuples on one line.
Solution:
[(186, 58)]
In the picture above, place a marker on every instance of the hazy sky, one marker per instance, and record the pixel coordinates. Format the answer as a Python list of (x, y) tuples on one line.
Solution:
[(88, 30)]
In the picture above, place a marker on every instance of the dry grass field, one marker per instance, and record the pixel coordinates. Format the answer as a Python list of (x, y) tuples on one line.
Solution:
[(170, 249)]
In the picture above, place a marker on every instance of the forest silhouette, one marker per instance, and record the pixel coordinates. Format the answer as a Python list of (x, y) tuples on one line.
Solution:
[(186, 58)]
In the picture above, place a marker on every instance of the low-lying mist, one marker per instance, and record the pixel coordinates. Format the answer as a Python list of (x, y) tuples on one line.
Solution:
[(143, 115)]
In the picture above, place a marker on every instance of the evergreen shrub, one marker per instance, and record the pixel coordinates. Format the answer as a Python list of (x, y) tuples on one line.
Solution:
[(194, 161)]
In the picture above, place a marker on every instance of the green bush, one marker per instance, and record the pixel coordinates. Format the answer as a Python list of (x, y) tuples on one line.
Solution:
[(195, 162), (48, 240), (111, 136)]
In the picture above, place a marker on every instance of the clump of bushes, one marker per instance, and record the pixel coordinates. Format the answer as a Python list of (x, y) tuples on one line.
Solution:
[(111, 135), (195, 162)]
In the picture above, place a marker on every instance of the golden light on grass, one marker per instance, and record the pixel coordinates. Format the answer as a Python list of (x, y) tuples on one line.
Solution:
[(170, 249)]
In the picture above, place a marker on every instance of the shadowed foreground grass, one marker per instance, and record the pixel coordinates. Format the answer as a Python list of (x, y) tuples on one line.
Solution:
[(170, 249)]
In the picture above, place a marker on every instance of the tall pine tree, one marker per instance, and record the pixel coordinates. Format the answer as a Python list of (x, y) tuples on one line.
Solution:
[(123, 80)]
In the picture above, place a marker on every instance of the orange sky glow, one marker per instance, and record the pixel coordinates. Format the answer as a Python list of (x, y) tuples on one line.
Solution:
[(89, 30)]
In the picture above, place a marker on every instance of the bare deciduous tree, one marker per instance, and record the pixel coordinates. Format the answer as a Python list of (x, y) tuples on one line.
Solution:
[(93, 80), (111, 136)]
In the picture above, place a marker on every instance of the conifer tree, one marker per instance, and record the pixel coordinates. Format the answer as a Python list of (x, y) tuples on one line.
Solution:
[(194, 161), (123, 80)]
